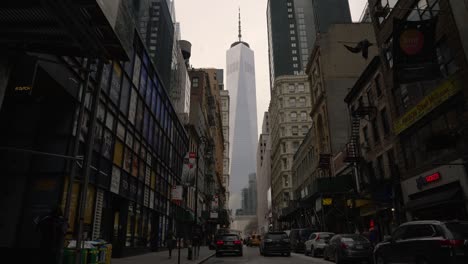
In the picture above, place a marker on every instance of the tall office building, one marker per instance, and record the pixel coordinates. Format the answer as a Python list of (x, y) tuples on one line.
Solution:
[(156, 26), (293, 26), (243, 121), (263, 175), (249, 196)]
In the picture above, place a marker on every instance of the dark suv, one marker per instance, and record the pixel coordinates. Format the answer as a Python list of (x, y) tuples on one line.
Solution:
[(275, 242), (425, 242), (228, 243), (299, 237)]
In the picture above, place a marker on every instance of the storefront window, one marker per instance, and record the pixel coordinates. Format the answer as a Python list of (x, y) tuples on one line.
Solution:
[(143, 82), (105, 77), (135, 166)]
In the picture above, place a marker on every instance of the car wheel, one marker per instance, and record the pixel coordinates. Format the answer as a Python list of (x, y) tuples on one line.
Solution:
[(218, 255), (288, 254), (312, 252), (306, 253)]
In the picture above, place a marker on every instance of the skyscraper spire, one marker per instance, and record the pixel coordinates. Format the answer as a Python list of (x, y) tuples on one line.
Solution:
[(240, 29)]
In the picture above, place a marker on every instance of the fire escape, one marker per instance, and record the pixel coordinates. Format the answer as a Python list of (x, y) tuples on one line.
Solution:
[(353, 149)]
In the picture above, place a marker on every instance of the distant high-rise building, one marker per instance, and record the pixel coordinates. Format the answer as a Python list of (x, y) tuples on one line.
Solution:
[(293, 26), (249, 196), (243, 121), (156, 27)]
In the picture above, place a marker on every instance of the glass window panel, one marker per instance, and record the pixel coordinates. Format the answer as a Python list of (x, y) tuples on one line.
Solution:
[(149, 91), (105, 77), (136, 71), (118, 152), (141, 173), (101, 112), (132, 107), (128, 160), (136, 146), (151, 132), (110, 120), (121, 131), (146, 123), (115, 83), (97, 137), (129, 140), (143, 82), (135, 166), (139, 115), (125, 96), (107, 144)]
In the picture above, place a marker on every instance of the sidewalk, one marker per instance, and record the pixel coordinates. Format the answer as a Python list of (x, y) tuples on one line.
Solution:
[(163, 257)]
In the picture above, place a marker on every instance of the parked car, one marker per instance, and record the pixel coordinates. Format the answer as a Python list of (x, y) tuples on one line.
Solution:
[(316, 243), (275, 242), (255, 240), (228, 243), (348, 247), (425, 242), (298, 237)]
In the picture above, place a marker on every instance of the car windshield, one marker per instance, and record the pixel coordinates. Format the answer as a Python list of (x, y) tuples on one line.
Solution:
[(229, 237), (459, 230), (276, 236), (353, 238), (324, 236)]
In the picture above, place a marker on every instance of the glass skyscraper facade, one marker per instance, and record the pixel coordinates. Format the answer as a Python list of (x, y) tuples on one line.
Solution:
[(293, 26), (243, 120)]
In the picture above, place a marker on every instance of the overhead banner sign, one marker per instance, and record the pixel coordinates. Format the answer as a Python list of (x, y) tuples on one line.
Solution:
[(441, 94)]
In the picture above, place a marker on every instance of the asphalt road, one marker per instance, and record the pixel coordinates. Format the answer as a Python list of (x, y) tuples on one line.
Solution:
[(252, 256)]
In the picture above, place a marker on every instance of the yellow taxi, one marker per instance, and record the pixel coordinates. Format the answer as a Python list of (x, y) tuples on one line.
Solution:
[(255, 240)]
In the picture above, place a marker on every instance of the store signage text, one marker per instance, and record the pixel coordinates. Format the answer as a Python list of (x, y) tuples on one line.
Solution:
[(427, 104), (423, 181)]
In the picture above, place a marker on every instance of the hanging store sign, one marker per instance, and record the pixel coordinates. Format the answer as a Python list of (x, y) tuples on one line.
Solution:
[(189, 168), (425, 180), (441, 94), (414, 52), (177, 193), (214, 215)]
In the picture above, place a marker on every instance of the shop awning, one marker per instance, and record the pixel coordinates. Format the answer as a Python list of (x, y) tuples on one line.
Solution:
[(435, 199)]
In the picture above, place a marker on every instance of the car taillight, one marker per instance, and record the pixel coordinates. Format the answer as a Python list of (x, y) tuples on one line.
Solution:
[(344, 246), (237, 242), (317, 238), (451, 242), (219, 242)]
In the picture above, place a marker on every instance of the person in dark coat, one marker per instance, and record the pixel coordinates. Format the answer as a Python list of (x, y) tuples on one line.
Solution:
[(170, 242), (52, 228), (196, 243)]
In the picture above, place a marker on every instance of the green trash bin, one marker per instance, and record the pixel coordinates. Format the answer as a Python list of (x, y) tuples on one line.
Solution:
[(69, 256), (93, 256)]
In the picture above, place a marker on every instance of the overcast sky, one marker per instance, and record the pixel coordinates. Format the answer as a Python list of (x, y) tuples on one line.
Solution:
[(211, 27)]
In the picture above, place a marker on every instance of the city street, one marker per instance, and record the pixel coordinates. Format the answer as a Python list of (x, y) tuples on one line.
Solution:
[(252, 256)]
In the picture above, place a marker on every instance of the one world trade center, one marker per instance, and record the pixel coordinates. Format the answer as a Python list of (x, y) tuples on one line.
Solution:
[(243, 139)]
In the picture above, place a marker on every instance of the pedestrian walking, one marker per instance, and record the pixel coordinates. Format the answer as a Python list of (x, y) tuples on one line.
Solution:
[(170, 242), (52, 228)]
